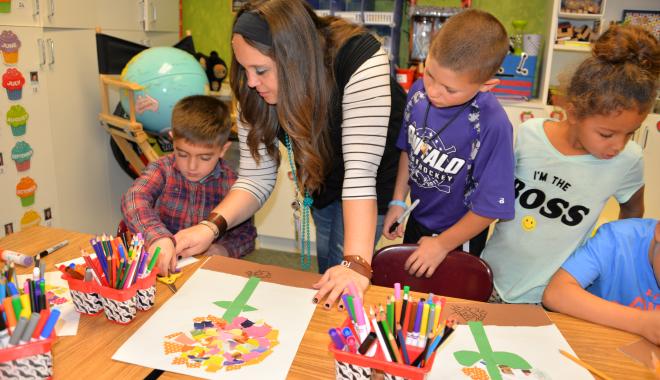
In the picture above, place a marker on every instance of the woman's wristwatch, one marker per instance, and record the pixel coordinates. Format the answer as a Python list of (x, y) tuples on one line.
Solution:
[(358, 264), (217, 224)]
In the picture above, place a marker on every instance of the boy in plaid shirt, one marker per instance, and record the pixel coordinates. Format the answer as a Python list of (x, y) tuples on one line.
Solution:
[(181, 189)]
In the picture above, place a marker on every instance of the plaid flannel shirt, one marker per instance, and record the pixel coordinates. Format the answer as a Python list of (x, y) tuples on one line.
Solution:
[(162, 202)]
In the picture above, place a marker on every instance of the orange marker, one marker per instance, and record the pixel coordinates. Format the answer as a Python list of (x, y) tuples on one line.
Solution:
[(9, 312)]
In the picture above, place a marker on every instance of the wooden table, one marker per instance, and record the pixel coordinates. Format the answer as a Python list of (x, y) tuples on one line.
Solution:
[(88, 354)]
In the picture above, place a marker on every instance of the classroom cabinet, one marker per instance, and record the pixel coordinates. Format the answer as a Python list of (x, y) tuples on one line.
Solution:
[(79, 183)]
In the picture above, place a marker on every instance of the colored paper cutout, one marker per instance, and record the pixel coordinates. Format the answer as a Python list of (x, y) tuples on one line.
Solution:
[(29, 219), (17, 118), (215, 343), (9, 45), (13, 81), (25, 190), (492, 358), (239, 304), (22, 153)]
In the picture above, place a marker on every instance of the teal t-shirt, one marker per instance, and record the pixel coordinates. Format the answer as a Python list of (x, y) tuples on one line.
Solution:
[(558, 201)]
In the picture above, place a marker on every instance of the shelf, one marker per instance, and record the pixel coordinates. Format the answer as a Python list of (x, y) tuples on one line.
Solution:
[(574, 48), (370, 18), (580, 16)]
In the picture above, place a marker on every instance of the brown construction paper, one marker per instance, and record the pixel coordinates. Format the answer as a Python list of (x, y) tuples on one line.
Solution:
[(496, 314), (268, 273)]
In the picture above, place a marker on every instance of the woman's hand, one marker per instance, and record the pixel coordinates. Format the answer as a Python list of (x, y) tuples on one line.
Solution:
[(166, 256), (193, 240), (335, 282)]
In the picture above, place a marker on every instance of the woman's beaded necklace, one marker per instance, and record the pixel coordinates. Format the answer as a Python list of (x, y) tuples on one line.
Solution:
[(300, 212)]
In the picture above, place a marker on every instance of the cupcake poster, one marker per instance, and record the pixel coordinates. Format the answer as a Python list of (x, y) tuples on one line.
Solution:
[(13, 81), (25, 191), (17, 118), (9, 45), (22, 153)]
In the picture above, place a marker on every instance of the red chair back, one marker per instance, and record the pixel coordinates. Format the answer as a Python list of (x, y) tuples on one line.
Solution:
[(460, 275)]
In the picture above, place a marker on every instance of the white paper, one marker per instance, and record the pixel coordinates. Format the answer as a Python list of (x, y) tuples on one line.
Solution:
[(539, 346), (60, 298), (285, 308), (185, 261)]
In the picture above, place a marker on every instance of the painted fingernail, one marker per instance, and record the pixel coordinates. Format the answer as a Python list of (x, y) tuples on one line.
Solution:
[(327, 306), (315, 300)]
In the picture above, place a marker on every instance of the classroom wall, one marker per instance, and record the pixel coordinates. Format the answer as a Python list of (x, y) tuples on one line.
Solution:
[(210, 23)]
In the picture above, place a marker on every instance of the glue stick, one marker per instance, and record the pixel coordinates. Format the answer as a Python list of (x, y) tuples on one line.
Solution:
[(16, 257)]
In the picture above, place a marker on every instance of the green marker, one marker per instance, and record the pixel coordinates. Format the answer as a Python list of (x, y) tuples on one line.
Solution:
[(153, 261), (406, 289)]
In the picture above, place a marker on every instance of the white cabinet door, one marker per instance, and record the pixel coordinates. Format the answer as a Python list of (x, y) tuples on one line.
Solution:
[(120, 14), (80, 145), (517, 115), (67, 13), (162, 15), (649, 139), (22, 13), (36, 133)]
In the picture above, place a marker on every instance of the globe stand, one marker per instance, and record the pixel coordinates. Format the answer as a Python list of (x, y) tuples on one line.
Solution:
[(124, 131)]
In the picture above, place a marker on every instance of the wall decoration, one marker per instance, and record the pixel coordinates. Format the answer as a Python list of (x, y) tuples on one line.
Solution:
[(17, 118), (649, 20), (30, 218), (13, 81), (25, 190), (9, 45), (21, 153), (9, 228), (252, 332)]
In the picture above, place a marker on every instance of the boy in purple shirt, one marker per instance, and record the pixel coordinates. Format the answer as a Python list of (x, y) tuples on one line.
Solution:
[(457, 145), (181, 189)]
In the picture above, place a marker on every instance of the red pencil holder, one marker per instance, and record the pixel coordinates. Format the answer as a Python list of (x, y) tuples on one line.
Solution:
[(359, 367), (119, 305), (85, 296), (32, 360)]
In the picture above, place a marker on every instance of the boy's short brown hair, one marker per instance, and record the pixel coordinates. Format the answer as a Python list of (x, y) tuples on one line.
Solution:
[(201, 120), (472, 41)]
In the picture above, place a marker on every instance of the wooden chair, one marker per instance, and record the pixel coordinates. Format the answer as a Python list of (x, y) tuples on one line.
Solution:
[(460, 275)]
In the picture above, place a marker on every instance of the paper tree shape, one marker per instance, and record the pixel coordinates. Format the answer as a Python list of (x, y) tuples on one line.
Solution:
[(239, 304), (486, 353)]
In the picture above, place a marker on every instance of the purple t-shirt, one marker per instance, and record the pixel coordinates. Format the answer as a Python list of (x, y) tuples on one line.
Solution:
[(478, 141)]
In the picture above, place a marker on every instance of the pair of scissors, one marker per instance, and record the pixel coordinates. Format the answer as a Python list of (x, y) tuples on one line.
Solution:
[(169, 280)]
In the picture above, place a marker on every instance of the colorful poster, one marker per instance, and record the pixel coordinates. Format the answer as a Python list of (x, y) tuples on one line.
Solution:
[(58, 296), (224, 326)]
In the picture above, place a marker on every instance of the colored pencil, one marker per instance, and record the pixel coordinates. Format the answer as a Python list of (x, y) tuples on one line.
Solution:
[(585, 365)]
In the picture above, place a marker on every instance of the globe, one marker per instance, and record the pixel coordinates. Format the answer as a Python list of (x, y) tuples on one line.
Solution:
[(167, 74)]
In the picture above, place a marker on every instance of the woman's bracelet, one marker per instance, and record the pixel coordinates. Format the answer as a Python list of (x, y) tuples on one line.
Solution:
[(358, 264), (396, 202), (218, 221)]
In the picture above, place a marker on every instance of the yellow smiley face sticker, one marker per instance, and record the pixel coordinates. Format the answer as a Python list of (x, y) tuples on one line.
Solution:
[(528, 223)]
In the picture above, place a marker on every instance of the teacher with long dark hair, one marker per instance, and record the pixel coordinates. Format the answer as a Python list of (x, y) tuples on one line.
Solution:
[(322, 87)]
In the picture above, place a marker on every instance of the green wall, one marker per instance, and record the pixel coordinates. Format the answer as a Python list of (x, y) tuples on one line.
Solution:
[(210, 21)]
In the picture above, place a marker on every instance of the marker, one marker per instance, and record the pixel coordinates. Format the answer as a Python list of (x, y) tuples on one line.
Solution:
[(336, 339), (153, 261), (403, 216), (50, 324), (418, 322), (43, 318), (352, 344), (18, 331), (29, 330), (9, 312), (368, 342), (52, 249), (16, 257), (423, 326)]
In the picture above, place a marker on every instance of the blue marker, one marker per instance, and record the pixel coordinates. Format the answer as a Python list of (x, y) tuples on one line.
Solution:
[(3, 291), (12, 289), (346, 332), (50, 324), (336, 339)]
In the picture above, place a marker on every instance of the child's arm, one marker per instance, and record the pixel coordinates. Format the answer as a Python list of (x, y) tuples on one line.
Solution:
[(634, 208), (401, 189), (433, 250), (137, 204), (565, 295)]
